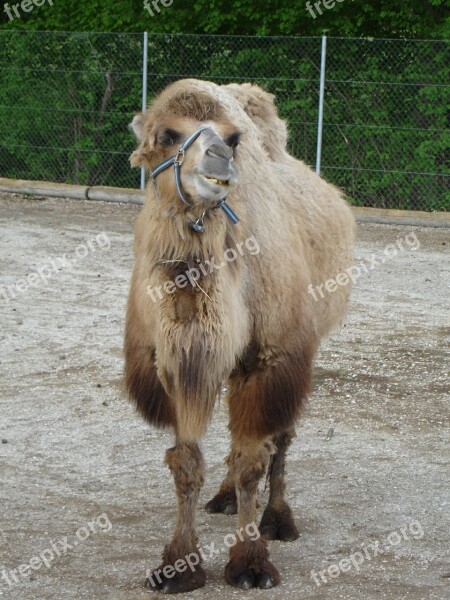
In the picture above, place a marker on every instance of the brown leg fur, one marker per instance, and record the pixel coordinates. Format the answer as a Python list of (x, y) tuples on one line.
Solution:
[(266, 399), (249, 564), (225, 500), (186, 464), (143, 384), (277, 522)]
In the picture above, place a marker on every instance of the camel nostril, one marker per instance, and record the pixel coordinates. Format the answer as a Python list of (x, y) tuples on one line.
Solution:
[(221, 151)]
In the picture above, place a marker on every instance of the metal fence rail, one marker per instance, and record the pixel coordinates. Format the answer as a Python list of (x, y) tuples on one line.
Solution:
[(66, 100)]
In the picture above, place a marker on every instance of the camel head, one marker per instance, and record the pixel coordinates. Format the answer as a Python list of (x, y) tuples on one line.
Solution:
[(207, 171)]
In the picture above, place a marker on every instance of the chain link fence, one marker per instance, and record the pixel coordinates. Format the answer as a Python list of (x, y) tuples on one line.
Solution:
[(66, 100)]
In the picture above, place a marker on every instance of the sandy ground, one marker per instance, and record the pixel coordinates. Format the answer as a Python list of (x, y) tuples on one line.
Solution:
[(74, 453)]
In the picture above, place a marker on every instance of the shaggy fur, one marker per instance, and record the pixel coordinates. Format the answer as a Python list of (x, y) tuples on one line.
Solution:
[(252, 323), (259, 105), (277, 522)]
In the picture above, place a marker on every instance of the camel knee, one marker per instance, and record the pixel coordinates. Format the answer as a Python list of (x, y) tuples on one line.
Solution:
[(186, 464), (249, 462)]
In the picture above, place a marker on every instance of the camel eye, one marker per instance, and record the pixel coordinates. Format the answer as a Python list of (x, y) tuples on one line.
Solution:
[(168, 137), (233, 140)]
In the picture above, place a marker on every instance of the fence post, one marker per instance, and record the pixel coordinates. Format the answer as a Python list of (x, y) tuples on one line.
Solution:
[(323, 63), (144, 92)]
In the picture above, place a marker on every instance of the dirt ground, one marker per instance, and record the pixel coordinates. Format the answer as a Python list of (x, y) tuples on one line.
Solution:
[(85, 498)]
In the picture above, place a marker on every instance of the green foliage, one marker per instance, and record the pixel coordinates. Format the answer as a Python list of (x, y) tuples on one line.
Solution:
[(64, 114), (378, 18), (386, 135), (66, 99)]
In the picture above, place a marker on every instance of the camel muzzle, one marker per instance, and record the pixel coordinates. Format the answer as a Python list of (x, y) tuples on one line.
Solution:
[(177, 161)]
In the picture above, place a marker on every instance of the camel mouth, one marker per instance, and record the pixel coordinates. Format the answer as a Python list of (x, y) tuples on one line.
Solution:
[(217, 181), (214, 187)]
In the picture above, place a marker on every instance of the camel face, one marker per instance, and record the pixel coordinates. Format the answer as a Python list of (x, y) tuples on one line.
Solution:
[(213, 173), (208, 171)]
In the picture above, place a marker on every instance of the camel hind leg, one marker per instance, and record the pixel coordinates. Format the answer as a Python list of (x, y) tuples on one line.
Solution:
[(225, 500), (277, 522)]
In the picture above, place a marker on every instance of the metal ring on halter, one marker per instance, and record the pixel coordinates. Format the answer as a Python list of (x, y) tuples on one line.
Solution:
[(181, 152), (198, 225)]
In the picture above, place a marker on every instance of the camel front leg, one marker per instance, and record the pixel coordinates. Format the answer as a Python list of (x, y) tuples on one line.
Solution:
[(249, 565), (225, 500), (181, 569)]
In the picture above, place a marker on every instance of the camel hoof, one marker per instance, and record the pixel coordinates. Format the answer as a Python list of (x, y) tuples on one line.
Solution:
[(245, 581), (230, 509), (250, 567), (265, 581), (284, 533), (170, 587), (278, 525), (178, 584), (223, 502)]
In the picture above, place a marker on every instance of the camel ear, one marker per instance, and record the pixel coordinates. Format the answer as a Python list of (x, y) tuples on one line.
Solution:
[(140, 157), (137, 126)]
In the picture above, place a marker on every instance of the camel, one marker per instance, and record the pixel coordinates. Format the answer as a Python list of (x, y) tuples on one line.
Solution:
[(247, 321)]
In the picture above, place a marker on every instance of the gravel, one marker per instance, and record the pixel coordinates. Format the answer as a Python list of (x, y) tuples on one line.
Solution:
[(81, 473)]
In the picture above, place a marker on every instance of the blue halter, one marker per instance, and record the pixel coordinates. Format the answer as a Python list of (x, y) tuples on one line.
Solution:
[(177, 161)]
